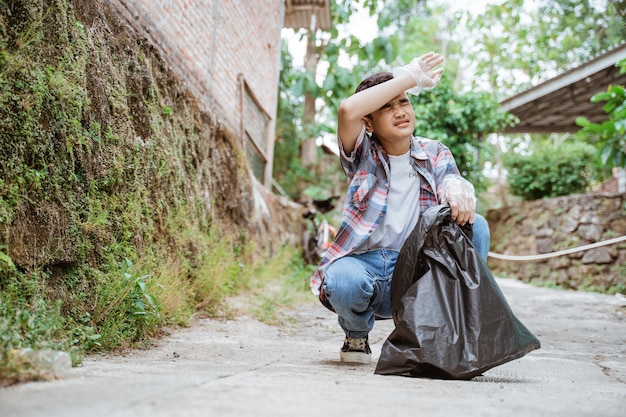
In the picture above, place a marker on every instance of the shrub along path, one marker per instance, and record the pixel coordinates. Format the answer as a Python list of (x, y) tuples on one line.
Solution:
[(244, 368)]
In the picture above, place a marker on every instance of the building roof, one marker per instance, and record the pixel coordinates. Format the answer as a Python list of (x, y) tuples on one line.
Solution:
[(305, 13), (554, 105)]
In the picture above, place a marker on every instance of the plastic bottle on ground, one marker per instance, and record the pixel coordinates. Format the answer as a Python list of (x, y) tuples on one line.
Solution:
[(50, 360)]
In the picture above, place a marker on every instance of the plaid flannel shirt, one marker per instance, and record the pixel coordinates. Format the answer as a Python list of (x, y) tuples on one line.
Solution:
[(365, 204)]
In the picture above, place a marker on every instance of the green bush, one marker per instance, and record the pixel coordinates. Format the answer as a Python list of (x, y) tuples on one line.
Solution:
[(550, 171)]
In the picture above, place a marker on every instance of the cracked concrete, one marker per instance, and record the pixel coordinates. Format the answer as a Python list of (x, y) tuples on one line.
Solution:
[(245, 368)]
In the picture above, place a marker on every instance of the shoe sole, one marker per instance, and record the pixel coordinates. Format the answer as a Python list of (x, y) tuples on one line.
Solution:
[(355, 357)]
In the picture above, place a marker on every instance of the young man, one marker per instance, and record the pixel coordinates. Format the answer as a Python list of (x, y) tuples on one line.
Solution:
[(394, 176)]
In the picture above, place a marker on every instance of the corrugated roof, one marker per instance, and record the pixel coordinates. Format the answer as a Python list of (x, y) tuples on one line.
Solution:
[(554, 105), (299, 14)]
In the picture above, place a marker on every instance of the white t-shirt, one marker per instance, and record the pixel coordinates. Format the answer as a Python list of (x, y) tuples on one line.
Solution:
[(402, 206)]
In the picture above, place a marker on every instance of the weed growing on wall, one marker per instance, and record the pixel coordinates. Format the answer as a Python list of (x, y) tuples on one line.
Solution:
[(122, 207)]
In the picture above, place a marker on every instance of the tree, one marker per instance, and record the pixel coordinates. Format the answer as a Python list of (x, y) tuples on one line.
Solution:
[(510, 47), (517, 44), (306, 105), (287, 167), (327, 47)]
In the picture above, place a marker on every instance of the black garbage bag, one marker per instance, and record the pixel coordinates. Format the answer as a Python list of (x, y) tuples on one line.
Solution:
[(452, 320)]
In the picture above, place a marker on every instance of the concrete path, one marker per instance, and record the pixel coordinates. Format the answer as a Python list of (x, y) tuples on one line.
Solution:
[(244, 368)]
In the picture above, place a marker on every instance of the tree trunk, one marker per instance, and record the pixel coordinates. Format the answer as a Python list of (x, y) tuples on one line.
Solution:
[(308, 149)]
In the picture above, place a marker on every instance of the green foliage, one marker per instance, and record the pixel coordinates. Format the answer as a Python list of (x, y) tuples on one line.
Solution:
[(125, 311), (6, 263), (609, 137), (29, 318), (287, 170), (284, 284), (517, 44), (619, 285), (99, 158), (549, 170), (582, 29), (460, 121), (291, 127), (416, 27), (39, 154), (23, 326), (340, 80)]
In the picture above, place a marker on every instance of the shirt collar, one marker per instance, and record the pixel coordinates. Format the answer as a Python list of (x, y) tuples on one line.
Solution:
[(417, 148)]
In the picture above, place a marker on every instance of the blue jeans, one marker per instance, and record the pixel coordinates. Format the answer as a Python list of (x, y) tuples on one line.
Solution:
[(359, 286)]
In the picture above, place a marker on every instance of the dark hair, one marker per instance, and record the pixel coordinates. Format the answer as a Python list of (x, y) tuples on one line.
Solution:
[(373, 80)]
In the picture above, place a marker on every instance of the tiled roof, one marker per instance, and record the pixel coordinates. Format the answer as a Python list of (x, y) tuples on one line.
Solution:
[(554, 105)]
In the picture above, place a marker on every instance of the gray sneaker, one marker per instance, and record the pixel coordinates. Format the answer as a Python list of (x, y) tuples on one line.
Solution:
[(356, 351)]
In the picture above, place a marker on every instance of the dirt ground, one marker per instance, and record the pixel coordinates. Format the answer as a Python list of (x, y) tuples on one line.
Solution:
[(242, 367)]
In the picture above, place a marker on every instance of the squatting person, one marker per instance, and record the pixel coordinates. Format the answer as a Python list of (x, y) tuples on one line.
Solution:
[(394, 176)]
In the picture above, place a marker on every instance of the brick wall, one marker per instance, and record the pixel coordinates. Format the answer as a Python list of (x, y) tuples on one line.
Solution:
[(210, 43)]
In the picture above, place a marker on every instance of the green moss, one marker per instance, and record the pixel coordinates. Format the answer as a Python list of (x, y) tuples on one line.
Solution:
[(93, 131)]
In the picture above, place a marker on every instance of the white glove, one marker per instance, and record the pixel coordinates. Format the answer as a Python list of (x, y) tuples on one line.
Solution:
[(423, 71), (460, 195)]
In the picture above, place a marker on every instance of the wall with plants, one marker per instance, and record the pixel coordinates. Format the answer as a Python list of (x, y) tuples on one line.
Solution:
[(123, 206)]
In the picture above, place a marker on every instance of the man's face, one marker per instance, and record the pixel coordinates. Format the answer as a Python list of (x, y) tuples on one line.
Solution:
[(393, 122)]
